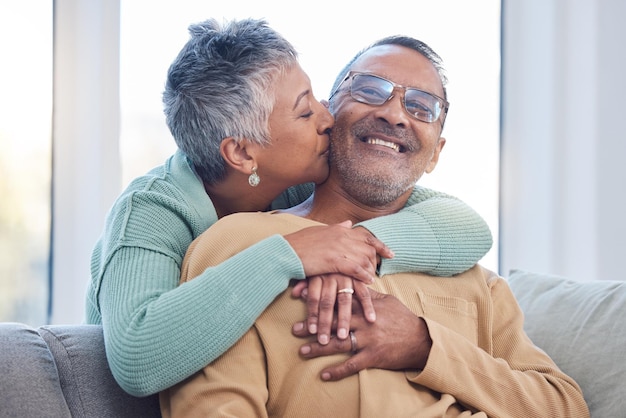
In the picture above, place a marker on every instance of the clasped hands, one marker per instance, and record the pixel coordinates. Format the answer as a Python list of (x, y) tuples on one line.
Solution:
[(385, 333), (397, 340)]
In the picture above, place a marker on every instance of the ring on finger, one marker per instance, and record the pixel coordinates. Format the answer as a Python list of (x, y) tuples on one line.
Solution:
[(353, 342), (348, 290)]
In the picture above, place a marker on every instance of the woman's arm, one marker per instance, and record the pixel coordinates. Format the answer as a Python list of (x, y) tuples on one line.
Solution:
[(145, 316), (151, 341), (435, 233), (158, 333)]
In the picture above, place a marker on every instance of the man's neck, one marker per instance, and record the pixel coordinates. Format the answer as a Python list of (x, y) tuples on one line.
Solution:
[(330, 204)]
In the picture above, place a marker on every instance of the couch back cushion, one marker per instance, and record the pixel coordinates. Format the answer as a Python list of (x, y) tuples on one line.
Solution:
[(89, 387), (582, 326)]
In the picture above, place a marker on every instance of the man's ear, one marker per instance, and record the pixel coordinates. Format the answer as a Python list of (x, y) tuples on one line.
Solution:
[(435, 158), (239, 155)]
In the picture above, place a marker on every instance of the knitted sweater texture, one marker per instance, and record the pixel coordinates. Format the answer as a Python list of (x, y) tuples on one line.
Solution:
[(158, 333)]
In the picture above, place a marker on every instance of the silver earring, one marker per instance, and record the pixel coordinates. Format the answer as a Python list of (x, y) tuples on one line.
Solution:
[(254, 178)]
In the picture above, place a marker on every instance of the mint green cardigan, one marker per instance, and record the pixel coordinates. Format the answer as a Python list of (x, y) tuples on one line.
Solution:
[(151, 343)]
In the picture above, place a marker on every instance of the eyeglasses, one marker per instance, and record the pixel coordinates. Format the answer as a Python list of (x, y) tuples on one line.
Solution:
[(374, 90)]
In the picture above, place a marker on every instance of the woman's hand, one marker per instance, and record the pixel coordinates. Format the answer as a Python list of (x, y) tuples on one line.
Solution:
[(321, 293), (338, 249), (398, 340), (332, 257)]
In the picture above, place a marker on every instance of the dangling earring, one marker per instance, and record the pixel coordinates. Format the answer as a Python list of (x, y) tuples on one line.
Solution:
[(254, 178)]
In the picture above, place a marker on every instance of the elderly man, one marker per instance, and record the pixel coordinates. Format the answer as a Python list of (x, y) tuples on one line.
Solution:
[(439, 347)]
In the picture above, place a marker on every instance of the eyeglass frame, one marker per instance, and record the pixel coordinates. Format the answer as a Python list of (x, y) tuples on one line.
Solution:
[(351, 74)]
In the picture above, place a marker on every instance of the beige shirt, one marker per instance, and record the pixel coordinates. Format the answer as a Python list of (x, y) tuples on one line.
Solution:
[(481, 362)]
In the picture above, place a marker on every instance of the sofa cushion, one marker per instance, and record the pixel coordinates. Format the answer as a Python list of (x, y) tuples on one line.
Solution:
[(582, 326), (89, 387), (29, 385)]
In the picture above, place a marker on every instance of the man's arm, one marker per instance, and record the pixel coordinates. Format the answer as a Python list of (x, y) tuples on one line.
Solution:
[(506, 376), (515, 379), (234, 385)]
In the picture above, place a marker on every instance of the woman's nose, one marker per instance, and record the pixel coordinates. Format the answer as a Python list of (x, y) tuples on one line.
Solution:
[(326, 120)]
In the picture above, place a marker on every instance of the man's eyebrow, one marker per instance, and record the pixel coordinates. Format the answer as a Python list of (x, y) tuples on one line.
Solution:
[(303, 94)]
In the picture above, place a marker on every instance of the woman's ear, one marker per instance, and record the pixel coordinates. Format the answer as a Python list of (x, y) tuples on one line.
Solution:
[(239, 155)]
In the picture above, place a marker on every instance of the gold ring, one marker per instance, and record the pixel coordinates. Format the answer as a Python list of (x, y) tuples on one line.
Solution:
[(353, 342), (346, 290)]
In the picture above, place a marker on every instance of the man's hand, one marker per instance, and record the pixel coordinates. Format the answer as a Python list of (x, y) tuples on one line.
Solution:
[(398, 340)]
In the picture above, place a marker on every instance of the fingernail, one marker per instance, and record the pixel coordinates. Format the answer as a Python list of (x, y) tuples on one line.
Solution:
[(342, 333), (305, 349), (313, 329), (325, 376), (305, 293), (371, 317), (298, 326), (323, 339)]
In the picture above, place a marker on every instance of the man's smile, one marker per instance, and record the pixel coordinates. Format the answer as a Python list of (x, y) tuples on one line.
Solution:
[(388, 144)]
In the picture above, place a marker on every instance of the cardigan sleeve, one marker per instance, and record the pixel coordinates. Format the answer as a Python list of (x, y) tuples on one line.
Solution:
[(435, 233), (146, 321), (136, 266), (146, 315)]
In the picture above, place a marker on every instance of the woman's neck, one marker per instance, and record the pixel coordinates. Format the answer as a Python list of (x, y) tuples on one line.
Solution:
[(237, 196)]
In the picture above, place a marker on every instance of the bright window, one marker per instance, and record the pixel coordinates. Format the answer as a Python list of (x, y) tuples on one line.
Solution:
[(25, 159)]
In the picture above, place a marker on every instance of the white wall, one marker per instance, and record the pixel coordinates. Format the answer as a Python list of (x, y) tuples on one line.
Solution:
[(563, 144)]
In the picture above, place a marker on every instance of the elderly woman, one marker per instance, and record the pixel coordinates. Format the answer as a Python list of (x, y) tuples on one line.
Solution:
[(248, 127)]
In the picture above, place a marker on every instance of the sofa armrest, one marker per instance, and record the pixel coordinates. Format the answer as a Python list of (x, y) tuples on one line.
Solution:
[(29, 383), (86, 380)]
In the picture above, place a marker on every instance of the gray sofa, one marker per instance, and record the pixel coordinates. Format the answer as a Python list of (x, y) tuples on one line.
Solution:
[(61, 370)]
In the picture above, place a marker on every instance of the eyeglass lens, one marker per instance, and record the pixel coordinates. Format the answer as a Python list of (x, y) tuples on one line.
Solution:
[(374, 90)]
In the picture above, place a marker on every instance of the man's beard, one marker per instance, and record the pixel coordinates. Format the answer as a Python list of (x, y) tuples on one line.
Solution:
[(357, 177), (374, 189)]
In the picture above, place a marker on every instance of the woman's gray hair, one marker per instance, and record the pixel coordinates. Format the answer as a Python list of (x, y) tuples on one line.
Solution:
[(220, 86)]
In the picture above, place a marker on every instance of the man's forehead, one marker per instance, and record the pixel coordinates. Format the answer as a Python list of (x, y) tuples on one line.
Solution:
[(401, 65)]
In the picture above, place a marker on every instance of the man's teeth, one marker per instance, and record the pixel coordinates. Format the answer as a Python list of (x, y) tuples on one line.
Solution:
[(376, 141)]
